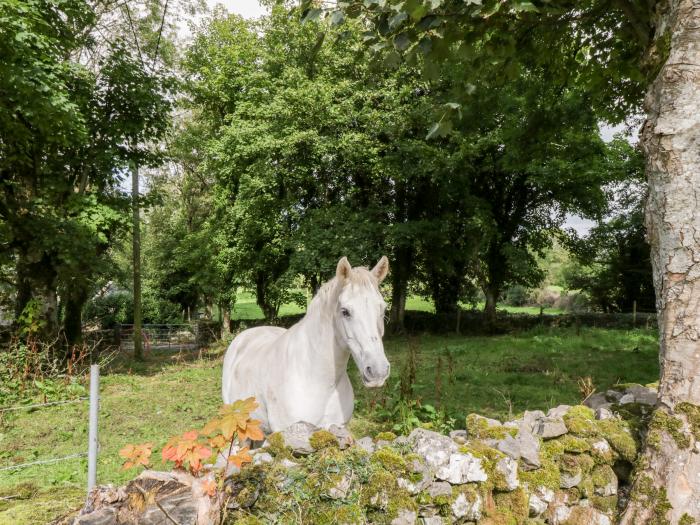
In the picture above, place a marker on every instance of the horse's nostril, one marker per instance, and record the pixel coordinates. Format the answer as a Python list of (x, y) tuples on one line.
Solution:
[(368, 371)]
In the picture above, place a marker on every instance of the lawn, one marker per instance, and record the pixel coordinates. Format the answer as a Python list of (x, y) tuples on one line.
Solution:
[(168, 394)]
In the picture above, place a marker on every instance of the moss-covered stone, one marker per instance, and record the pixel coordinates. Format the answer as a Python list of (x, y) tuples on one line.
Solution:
[(385, 436), (276, 445), (651, 497), (692, 414), (606, 504), (323, 439), (664, 423), (512, 505), (620, 438), (580, 420), (389, 459), (478, 428), (547, 475), (574, 444)]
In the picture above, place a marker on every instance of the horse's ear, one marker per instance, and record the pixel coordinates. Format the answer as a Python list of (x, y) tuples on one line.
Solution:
[(342, 271), (381, 269)]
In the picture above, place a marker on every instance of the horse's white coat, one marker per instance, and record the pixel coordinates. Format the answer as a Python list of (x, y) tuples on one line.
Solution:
[(300, 374)]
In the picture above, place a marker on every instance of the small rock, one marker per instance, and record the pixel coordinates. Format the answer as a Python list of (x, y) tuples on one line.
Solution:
[(627, 399), (508, 445), (570, 479), (603, 412), (434, 448), (536, 506), (529, 447), (462, 468), (262, 457), (558, 411), (613, 396), (587, 515), (551, 427), (343, 436), (439, 488), (601, 449), (560, 514), (596, 400), (288, 463), (508, 468), (366, 443), (463, 508), (643, 395), (382, 443), (297, 435), (340, 489), (401, 440), (405, 517), (432, 520), (459, 436)]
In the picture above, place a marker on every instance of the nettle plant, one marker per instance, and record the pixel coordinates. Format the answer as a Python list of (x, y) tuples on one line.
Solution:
[(224, 436)]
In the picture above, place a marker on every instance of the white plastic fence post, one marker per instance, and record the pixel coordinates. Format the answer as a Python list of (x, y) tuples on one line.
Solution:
[(92, 432)]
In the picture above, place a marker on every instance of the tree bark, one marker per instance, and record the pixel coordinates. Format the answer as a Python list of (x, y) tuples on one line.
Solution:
[(73, 316), (138, 319), (491, 295), (667, 485), (402, 266)]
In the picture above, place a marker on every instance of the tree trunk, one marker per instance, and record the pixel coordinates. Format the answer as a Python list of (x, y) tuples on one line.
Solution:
[(667, 486), (226, 321), (491, 293), (400, 274), (73, 316), (138, 319)]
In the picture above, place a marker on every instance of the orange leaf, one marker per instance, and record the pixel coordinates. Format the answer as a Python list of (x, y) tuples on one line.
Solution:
[(240, 458), (209, 487), (136, 455)]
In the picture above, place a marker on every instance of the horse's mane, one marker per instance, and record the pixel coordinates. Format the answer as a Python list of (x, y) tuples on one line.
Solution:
[(329, 291)]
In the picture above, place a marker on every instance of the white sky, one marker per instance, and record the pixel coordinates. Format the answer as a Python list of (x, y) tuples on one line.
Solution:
[(245, 8)]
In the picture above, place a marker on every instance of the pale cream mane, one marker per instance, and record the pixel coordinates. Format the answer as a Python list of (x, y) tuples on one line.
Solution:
[(328, 293)]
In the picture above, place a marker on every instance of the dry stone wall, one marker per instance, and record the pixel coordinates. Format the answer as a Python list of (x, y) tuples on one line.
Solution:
[(568, 466)]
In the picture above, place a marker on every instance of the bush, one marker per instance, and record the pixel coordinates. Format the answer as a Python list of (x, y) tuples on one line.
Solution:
[(517, 295)]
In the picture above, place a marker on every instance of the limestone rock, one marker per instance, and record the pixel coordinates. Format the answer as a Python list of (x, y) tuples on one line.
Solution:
[(558, 411), (432, 520), (366, 443), (297, 435), (459, 436), (551, 427), (462, 468), (405, 517), (536, 506), (439, 488), (626, 399), (587, 515), (597, 400), (529, 447), (467, 508), (434, 448), (570, 479), (343, 436), (262, 457), (508, 470), (603, 412)]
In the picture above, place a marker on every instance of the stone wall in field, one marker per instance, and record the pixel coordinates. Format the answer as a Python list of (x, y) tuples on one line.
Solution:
[(568, 466)]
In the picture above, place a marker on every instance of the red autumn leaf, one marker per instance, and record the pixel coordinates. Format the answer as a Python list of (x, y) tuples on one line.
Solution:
[(240, 458), (136, 455), (209, 487)]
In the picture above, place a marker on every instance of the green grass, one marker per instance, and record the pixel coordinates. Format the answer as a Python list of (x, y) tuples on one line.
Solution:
[(247, 309), (167, 395)]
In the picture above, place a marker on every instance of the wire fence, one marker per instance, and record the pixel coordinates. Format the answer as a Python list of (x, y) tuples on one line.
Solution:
[(91, 453)]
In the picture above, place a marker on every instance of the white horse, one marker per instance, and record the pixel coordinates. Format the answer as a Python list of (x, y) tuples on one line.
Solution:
[(300, 374)]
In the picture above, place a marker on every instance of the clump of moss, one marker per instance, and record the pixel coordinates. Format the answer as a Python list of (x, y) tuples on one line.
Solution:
[(574, 444), (478, 428), (382, 493), (276, 445), (663, 422), (692, 414), (580, 421), (389, 459), (547, 475), (512, 505), (620, 438), (606, 504), (248, 520), (385, 436), (652, 497), (686, 519), (349, 515), (323, 439)]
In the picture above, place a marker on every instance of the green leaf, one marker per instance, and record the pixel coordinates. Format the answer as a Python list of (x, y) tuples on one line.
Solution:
[(439, 129), (396, 20), (337, 18), (312, 15), (402, 41)]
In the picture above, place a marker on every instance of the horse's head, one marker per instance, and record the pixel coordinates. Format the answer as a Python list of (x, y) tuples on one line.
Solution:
[(359, 318)]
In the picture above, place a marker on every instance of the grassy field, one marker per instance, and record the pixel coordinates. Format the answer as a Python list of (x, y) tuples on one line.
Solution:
[(170, 394), (246, 308)]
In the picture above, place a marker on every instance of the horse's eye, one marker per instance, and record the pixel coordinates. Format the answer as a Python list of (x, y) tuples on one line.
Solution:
[(345, 312)]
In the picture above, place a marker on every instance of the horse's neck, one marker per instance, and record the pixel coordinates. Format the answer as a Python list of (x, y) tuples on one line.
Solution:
[(329, 359)]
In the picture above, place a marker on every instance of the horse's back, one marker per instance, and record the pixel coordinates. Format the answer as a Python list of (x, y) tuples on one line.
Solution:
[(244, 359)]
